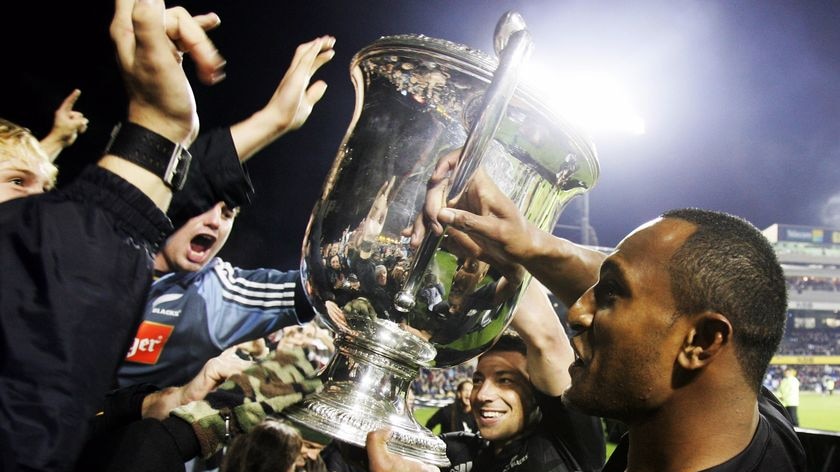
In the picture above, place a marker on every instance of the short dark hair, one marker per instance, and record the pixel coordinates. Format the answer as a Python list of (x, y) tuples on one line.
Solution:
[(509, 341), (462, 383), (270, 446), (728, 266)]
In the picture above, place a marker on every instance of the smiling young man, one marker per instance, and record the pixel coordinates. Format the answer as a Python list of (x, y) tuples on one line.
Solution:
[(522, 422), (521, 428)]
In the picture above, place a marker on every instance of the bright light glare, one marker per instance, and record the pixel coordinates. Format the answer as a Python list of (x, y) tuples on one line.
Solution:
[(597, 103)]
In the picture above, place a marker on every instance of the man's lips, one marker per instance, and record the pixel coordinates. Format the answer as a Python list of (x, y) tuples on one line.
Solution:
[(579, 362), (577, 349), (199, 247), (489, 417), (202, 242)]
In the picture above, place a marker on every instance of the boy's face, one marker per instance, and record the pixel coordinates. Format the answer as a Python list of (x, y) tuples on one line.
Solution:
[(309, 450), (195, 243), (17, 179)]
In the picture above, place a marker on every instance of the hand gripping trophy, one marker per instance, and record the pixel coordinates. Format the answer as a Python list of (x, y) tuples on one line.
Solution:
[(431, 118)]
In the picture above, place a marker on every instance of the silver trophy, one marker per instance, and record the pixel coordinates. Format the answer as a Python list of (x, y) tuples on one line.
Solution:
[(396, 298)]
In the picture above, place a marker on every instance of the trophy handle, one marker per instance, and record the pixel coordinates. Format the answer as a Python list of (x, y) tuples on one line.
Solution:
[(513, 45)]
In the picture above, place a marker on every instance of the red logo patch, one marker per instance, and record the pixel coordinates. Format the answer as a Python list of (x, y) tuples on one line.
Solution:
[(149, 342)]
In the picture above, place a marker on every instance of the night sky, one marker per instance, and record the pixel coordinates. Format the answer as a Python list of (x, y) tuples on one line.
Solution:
[(741, 100)]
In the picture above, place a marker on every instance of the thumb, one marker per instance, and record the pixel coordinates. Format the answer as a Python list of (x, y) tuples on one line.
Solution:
[(316, 92), (377, 450)]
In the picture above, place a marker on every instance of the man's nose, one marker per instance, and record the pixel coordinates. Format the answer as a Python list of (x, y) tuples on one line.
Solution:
[(214, 217), (485, 392), (580, 314)]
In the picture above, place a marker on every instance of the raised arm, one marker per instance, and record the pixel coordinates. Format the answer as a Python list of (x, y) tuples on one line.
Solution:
[(291, 103), (150, 42), (549, 351), (68, 124)]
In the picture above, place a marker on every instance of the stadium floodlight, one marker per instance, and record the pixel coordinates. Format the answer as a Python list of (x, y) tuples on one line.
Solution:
[(596, 102)]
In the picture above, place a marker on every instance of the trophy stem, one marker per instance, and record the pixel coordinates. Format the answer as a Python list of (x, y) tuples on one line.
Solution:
[(365, 388)]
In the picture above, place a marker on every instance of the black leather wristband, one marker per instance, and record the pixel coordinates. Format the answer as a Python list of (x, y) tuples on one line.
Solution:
[(151, 151)]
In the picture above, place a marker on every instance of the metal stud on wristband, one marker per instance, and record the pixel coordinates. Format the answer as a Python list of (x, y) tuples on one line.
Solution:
[(169, 161)]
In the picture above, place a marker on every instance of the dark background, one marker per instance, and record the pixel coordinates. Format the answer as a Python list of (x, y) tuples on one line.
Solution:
[(741, 99)]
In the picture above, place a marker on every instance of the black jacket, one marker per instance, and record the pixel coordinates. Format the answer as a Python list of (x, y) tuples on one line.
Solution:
[(77, 268)]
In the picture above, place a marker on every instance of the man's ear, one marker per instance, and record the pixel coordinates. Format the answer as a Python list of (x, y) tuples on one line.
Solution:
[(706, 339)]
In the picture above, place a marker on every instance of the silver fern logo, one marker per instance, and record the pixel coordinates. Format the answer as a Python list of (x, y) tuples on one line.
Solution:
[(166, 298)]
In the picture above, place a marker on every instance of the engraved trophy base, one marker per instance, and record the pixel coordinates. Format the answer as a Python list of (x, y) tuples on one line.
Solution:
[(365, 389)]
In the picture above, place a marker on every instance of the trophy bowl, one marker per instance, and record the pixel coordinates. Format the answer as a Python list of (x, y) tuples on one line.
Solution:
[(395, 306)]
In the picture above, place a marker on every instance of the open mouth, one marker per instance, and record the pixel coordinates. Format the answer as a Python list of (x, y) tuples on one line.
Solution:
[(578, 362), (199, 247), (202, 242)]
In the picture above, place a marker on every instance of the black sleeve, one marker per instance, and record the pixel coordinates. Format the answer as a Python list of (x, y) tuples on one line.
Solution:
[(153, 446), (582, 434), (122, 406), (215, 175), (439, 418), (462, 448), (343, 457)]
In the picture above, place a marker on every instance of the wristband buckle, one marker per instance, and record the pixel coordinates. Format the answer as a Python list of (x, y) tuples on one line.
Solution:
[(178, 167), (169, 161)]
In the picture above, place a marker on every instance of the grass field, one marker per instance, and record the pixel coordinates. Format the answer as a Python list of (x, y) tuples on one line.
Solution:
[(422, 415), (816, 411)]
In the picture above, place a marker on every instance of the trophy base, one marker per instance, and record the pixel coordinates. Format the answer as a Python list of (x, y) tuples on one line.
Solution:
[(350, 422), (365, 389)]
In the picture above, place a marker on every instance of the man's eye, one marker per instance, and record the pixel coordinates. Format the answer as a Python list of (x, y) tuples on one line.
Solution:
[(228, 213), (17, 181), (606, 293)]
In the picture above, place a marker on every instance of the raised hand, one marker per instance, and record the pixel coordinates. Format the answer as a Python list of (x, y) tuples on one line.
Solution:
[(150, 43), (484, 223), (437, 189), (68, 124), (294, 97), (214, 373), (292, 101)]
